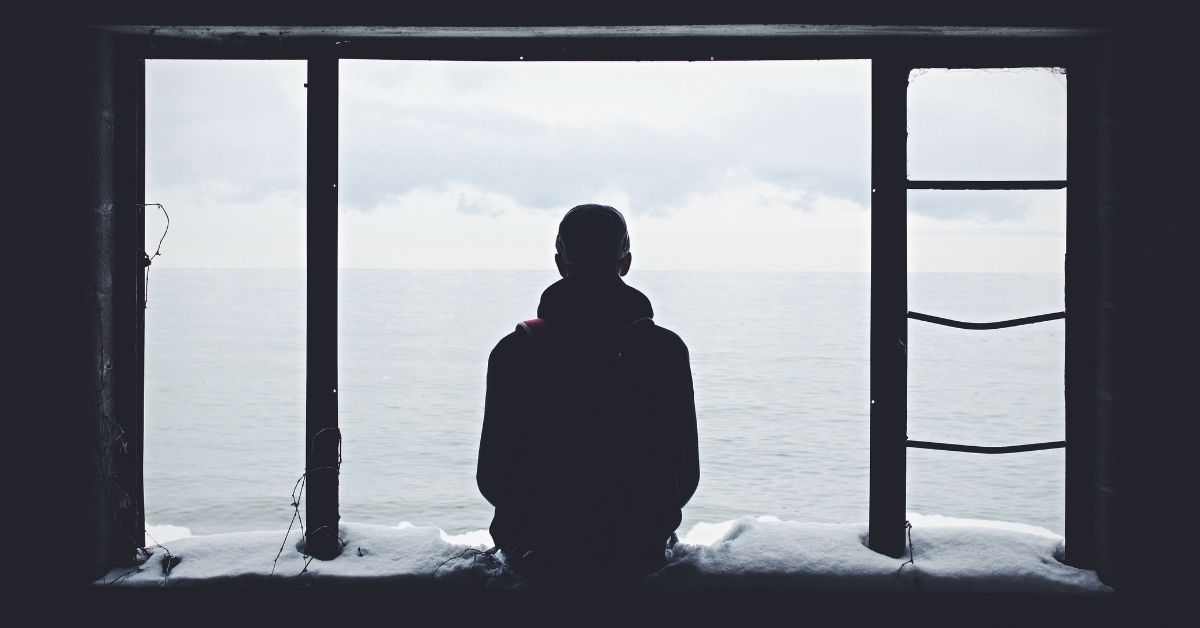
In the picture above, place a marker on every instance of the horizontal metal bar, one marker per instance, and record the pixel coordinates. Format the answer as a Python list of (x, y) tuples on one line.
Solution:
[(1028, 320), (976, 449), (351, 32), (987, 185)]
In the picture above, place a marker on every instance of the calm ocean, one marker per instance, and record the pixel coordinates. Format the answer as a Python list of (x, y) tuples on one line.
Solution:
[(780, 363)]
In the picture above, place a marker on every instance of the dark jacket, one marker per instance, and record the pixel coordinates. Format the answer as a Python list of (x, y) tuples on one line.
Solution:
[(589, 430)]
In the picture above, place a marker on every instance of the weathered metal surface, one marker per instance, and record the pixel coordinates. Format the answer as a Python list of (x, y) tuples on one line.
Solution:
[(93, 416), (323, 440), (233, 33), (127, 276)]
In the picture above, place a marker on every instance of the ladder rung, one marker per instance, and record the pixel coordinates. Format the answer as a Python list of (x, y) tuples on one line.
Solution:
[(1028, 320), (976, 449), (987, 185)]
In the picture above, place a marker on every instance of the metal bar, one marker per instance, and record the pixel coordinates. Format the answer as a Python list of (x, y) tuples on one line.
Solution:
[(1085, 362), (987, 185), (127, 425), (889, 304), (1055, 59), (87, 468), (977, 449), (1016, 322), (239, 35), (940, 47), (323, 438)]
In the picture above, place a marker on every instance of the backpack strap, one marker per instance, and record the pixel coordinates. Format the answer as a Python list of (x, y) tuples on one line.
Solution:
[(634, 324), (535, 326), (532, 327)]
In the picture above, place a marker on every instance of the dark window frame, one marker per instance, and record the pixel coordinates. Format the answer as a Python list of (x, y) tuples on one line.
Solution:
[(890, 313), (892, 50)]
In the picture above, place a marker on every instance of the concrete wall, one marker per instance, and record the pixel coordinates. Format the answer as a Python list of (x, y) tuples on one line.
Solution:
[(1150, 445), (78, 504)]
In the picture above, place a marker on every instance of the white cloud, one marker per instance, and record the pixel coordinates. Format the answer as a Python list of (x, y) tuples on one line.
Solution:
[(743, 223), (987, 124), (1029, 238), (424, 228), (551, 134)]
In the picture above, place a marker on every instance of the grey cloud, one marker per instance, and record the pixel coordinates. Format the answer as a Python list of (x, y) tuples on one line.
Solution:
[(236, 130), (471, 205), (391, 149)]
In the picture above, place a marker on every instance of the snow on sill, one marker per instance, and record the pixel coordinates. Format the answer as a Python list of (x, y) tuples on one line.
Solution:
[(949, 555)]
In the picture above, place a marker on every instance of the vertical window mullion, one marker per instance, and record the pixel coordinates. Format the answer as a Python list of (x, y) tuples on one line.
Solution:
[(1086, 361), (889, 304), (322, 436), (127, 422)]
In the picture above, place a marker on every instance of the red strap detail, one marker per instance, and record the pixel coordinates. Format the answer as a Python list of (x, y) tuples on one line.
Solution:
[(532, 326)]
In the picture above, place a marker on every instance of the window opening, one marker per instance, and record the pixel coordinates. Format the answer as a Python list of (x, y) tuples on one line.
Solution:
[(886, 185), (990, 206), (745, 186), (225, 319)]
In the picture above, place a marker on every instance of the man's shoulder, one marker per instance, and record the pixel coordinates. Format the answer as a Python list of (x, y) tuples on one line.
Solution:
[(665, 334), (665, 340), (510, 344), (661, 339)]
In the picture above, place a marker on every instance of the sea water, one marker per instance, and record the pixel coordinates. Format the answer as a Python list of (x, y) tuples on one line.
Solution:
[(780, 363)]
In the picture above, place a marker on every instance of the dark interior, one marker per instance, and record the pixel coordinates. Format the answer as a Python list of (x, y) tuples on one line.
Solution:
[(1132, 298)]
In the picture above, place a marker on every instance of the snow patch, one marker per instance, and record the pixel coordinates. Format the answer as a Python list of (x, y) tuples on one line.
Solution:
[(939, 521), (760, 552), (474, 538), (706, 533), (165, 533)]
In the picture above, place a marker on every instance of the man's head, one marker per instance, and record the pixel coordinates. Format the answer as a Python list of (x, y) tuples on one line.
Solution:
[(592, 240)]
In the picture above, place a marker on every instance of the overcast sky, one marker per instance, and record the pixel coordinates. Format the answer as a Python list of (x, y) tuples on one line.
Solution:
[(718, 165)]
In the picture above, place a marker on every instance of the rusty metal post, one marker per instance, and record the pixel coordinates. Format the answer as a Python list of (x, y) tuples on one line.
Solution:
[(322, 437), (128, 305), (889, 304)]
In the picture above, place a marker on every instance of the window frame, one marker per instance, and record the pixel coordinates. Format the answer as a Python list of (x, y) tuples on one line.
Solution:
[(889, 299), (893, 50)]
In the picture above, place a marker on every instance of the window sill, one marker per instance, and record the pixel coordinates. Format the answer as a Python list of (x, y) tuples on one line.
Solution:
[(949, 556)]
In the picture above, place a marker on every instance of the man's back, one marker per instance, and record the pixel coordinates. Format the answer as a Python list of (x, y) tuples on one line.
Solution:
[(589, 436)]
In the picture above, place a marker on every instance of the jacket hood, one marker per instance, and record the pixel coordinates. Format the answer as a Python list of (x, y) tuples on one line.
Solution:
[(593, 303)]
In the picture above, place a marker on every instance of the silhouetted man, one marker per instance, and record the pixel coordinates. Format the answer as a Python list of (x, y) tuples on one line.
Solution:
[(589, 446)]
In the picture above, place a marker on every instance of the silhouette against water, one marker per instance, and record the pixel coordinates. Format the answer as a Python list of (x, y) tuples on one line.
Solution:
[(589, 444)]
